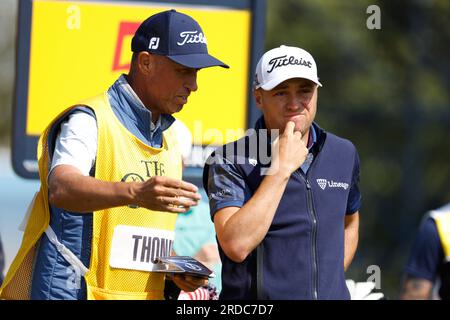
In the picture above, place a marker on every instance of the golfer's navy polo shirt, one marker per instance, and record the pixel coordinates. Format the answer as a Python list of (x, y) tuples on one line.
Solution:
[(303, 250), (228, 188)]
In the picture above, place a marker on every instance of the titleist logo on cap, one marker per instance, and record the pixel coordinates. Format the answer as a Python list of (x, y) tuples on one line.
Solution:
[(284, 61), (191, 37)]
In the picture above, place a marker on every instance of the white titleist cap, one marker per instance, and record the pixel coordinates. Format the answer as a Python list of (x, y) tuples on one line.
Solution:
[(283, 63)]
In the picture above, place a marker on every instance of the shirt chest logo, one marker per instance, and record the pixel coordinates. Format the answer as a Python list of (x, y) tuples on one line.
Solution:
[(324, 183)]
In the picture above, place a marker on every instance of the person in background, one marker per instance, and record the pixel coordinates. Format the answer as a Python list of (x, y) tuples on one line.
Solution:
[(194, 231), (428, 265)]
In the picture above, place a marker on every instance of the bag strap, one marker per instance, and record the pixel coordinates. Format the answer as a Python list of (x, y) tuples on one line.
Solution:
[(66, 253)]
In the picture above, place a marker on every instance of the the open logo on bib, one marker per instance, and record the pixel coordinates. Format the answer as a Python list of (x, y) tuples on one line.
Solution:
[(136, 248)]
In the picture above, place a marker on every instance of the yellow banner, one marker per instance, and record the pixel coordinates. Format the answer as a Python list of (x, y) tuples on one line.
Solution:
[(79, 48)]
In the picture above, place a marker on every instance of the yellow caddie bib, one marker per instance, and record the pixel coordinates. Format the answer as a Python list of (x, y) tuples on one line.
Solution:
[(442, 219), (126, 239)]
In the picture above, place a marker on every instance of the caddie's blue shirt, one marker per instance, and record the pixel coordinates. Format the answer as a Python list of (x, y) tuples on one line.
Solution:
[(53, 277), (303, 251), (427, 254)]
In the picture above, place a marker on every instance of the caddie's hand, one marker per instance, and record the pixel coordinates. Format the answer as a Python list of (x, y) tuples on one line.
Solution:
[(166, 194), (189, 283), (288, 151)]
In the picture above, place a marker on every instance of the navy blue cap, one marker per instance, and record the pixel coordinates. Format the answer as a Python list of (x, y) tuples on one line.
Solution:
[(176, 36)]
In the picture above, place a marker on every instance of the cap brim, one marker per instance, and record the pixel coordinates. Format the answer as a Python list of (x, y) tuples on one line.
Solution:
[(197, 61), (286, 76)]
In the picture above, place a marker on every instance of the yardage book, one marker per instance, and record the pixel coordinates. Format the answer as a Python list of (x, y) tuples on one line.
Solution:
[(182, 264)]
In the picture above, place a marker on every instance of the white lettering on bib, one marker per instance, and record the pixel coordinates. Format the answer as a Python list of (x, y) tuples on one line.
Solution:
[(136, 248)]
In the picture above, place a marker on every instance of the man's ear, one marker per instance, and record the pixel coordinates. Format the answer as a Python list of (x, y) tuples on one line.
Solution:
[(145, 62), (258, 97)]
